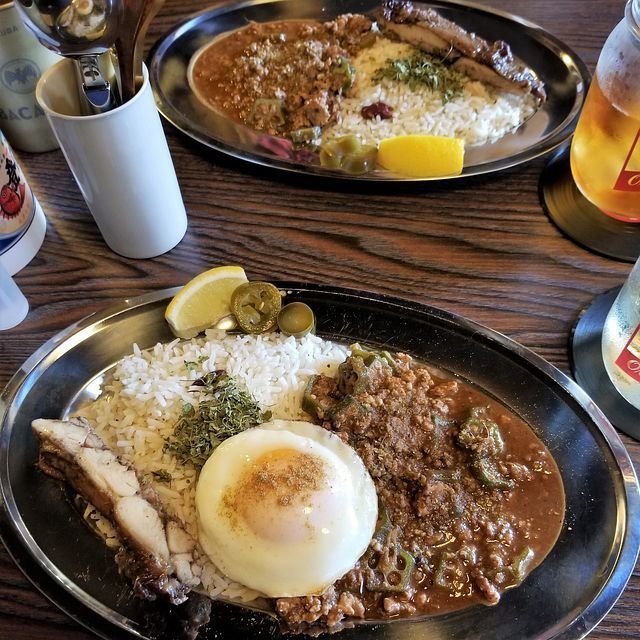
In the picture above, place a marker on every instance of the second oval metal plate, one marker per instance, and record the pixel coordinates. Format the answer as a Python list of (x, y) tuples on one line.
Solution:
[(565, 76), (564, 598)]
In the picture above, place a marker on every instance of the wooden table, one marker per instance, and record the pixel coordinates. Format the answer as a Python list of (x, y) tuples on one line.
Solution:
[(481, 248)]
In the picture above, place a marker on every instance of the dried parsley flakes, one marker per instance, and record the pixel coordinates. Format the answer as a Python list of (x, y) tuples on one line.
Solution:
[(223, 411), (423, 69)]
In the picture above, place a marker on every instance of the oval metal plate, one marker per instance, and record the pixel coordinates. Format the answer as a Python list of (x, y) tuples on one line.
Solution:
[(563, 598), (564, 74)]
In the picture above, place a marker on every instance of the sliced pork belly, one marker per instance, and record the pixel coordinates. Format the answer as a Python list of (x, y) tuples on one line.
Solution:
[(156, 552), (489, 62)]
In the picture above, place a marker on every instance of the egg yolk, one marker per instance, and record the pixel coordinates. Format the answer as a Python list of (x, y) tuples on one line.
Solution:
[(284, 496)]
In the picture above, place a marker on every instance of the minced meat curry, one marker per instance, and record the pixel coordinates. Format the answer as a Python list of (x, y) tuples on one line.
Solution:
[(470, 499), (281, 77)]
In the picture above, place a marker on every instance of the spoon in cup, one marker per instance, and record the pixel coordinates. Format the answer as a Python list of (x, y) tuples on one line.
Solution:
[(135, 18), (81, 30)]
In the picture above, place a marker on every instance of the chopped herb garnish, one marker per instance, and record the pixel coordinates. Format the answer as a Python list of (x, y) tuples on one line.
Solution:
[(423, 69), (161, 475), (222, 411)]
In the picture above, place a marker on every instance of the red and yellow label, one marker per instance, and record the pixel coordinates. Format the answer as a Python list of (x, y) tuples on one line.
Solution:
[(629, 358), (629, 177), (17, 202)]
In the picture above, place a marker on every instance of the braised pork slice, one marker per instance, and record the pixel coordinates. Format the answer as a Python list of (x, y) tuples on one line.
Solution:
[(156, 552), (490, 62)]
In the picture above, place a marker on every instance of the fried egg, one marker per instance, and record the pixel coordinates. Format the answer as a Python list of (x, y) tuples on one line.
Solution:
[(285, 508)]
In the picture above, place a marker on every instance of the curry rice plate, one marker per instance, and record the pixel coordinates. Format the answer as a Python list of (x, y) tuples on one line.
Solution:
[(471, 500)]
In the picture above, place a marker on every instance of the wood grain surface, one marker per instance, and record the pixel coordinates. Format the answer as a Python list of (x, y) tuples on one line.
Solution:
[(482, 248)]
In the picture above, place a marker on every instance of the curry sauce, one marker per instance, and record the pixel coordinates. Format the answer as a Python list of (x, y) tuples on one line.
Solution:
[(471, 500)]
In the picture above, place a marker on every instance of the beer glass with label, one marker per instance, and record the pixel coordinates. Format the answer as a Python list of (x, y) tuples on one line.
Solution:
[(621, 339), (605, 151)]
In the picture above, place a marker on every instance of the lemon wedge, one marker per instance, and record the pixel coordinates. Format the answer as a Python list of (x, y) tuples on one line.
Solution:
[(203, 301), (422, 156)]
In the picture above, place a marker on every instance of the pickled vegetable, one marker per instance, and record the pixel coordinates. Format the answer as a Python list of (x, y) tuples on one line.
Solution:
[(349, 154), (296, 319), (256, 306)]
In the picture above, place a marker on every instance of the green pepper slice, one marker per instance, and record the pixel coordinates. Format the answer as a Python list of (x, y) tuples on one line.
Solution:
[(347, 72), (256, 306), (353, 376), (389, 570), (266, 111), (369, 355), (480, 434), (311, 403), (486, 472), (521, 563), (306, 136), (446, 567)]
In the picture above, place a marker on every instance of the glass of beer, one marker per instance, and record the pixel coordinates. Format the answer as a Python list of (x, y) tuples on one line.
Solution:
[(621, 339), (605, 151)]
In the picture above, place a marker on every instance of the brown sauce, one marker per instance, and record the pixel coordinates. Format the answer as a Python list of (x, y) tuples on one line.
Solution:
[(472, 500), (279, 77)]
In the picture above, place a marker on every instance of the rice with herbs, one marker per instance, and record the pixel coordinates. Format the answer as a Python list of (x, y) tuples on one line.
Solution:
[(481, 114), (145, 393)]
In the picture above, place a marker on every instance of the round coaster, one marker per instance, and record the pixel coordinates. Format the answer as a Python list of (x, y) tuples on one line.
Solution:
[(589, 371), (580, 220)]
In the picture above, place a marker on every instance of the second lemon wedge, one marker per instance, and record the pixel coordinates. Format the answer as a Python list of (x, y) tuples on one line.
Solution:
[(422, 156), (203, 301)]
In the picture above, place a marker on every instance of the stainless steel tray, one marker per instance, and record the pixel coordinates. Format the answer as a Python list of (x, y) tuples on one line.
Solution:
[(563, 598), (565, 76)]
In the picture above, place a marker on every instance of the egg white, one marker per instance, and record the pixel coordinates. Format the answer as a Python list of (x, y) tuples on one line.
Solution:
[(285, 508)]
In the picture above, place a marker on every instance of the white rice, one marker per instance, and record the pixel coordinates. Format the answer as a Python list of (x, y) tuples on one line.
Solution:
[(481, 114), (143, 398)]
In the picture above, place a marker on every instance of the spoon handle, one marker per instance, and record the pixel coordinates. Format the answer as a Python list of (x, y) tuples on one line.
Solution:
[(151, 9), (136, 16), (126, 68)]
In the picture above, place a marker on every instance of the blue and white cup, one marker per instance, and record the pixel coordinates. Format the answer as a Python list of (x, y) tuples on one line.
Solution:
[(22, 61)]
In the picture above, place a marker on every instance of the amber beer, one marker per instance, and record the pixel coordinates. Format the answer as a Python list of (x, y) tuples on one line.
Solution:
[(605, 152), (605, 156)]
